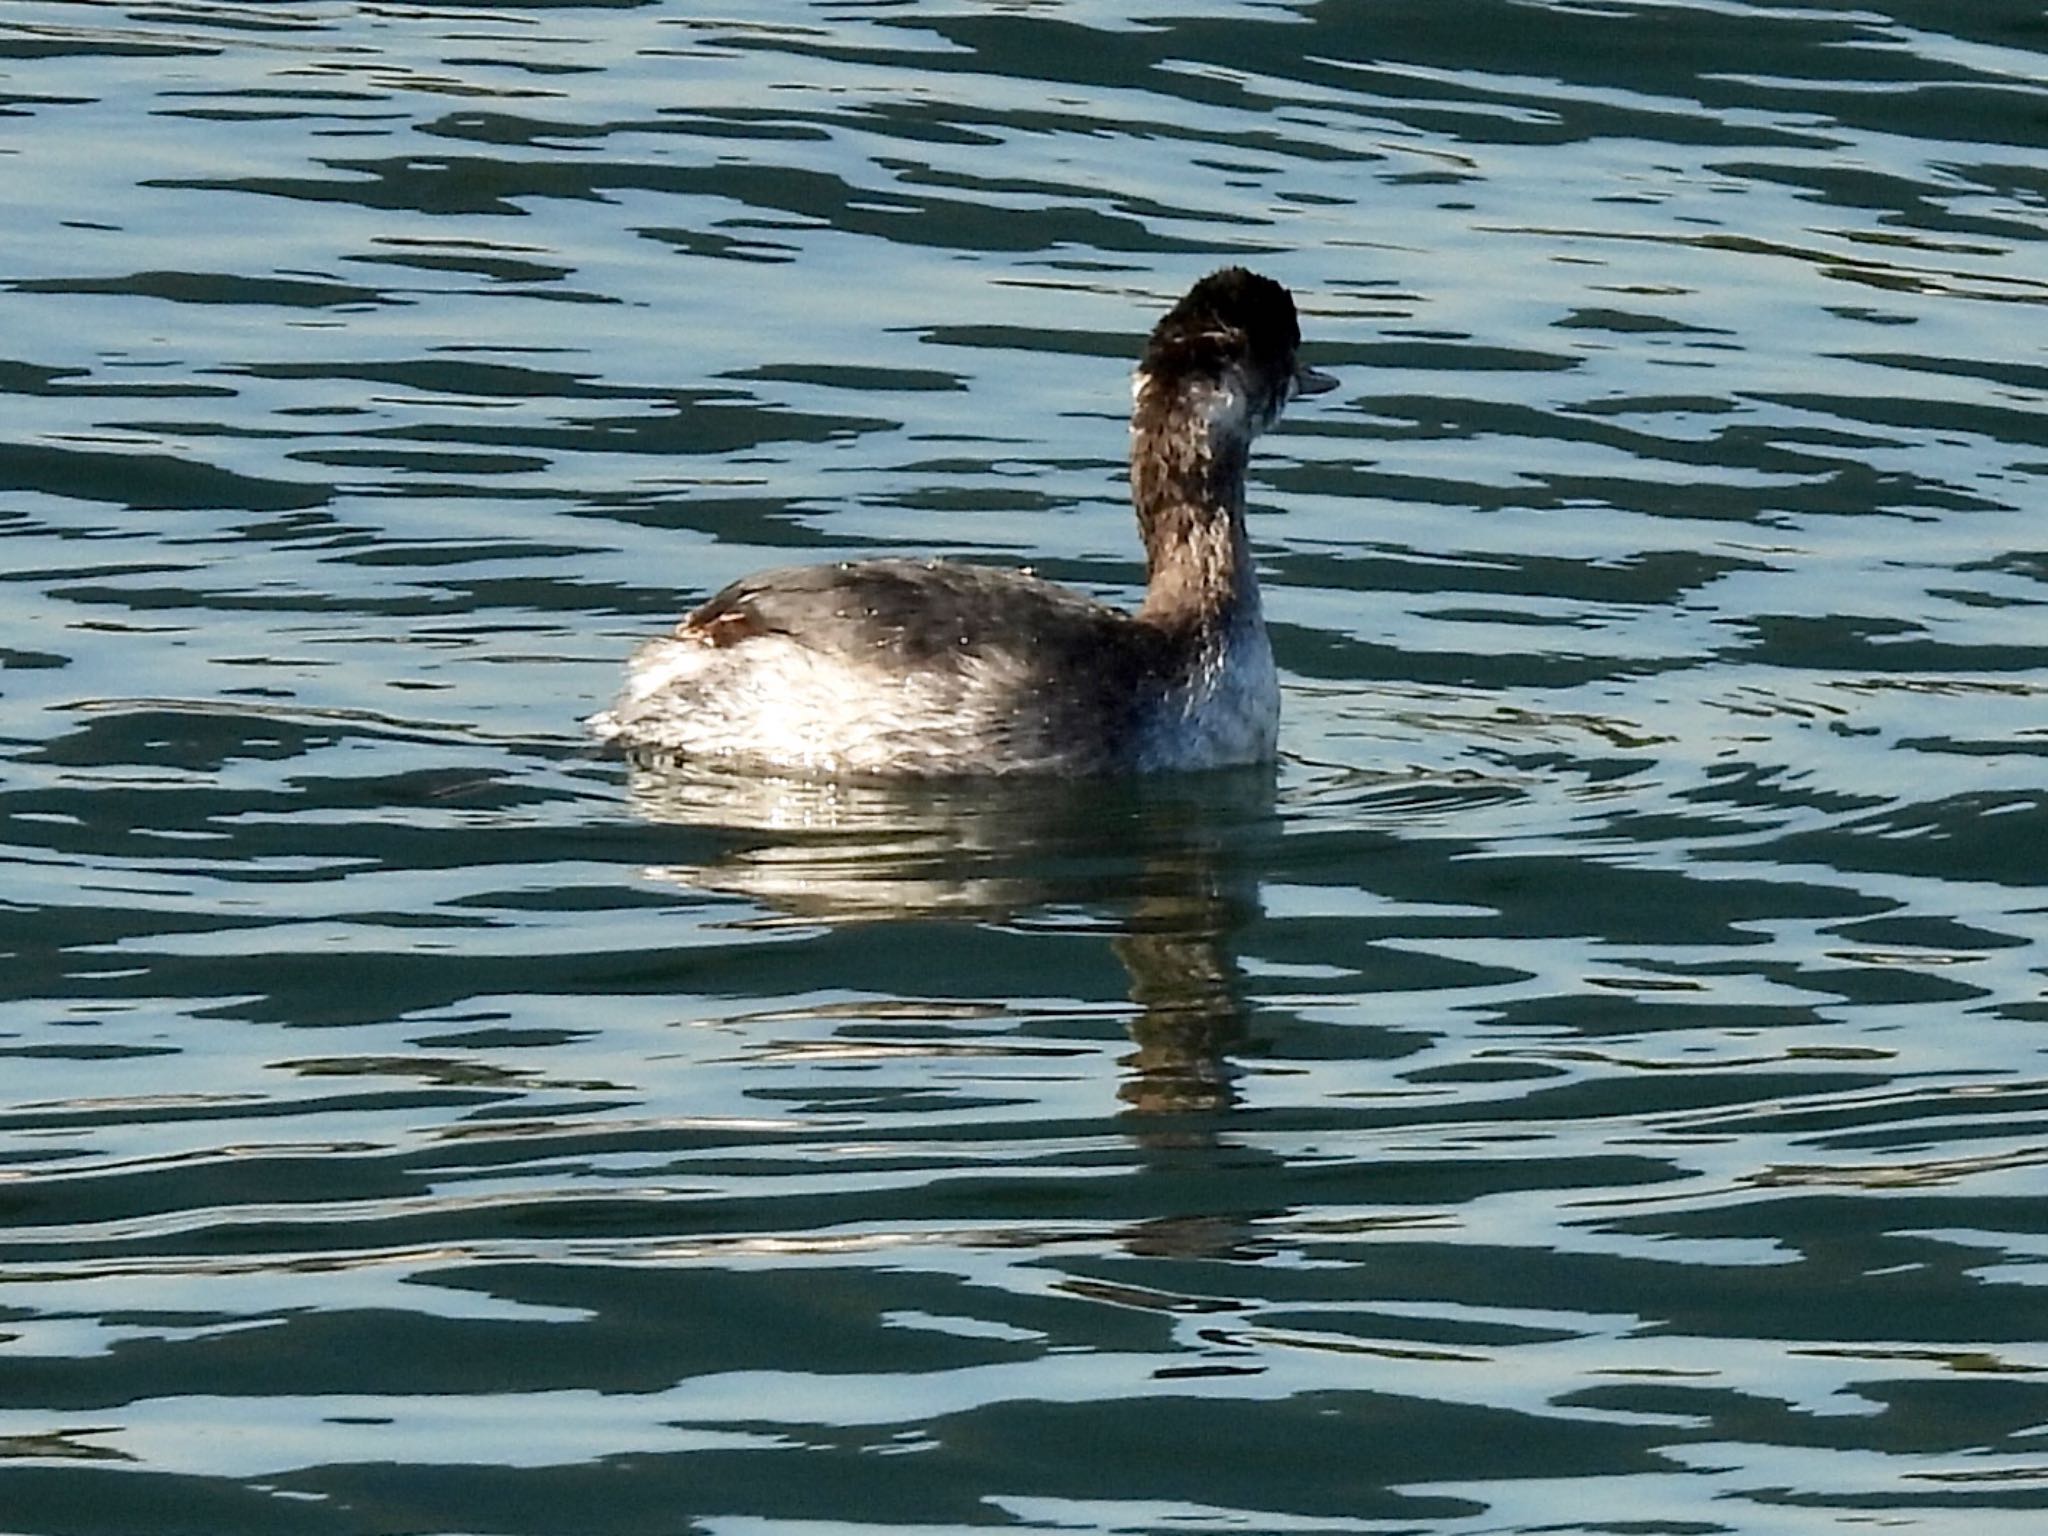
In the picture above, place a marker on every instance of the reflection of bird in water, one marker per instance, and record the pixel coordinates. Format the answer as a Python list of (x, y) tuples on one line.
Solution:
[(1184, 979), (1004, 850)]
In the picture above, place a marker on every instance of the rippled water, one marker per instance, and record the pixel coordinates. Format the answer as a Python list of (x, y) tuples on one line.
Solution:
[(1596, 1085)]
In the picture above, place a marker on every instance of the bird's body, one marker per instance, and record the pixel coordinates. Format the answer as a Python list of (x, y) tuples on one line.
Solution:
[(938, 668)]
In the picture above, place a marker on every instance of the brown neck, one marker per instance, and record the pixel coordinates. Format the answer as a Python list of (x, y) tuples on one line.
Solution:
[(1187, 484)]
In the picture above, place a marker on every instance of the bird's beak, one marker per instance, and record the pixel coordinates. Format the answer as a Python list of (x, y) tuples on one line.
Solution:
[(1311, 381)]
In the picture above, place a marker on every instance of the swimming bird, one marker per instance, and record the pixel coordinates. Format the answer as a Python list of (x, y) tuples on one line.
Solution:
[(934, 668)]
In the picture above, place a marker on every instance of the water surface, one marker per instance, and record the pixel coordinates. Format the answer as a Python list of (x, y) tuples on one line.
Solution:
[(1595, 1084)]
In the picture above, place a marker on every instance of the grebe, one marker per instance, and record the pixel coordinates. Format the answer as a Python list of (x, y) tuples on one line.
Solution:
[(931, 668)]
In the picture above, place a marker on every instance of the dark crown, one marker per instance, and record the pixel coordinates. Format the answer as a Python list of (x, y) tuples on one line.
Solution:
[(1229, 316)]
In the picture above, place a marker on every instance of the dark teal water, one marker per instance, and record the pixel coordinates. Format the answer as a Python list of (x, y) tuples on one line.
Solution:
[(1597, 1085)]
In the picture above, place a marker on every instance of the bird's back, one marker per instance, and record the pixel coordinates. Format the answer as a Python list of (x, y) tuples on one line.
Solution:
[(897, 666)]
